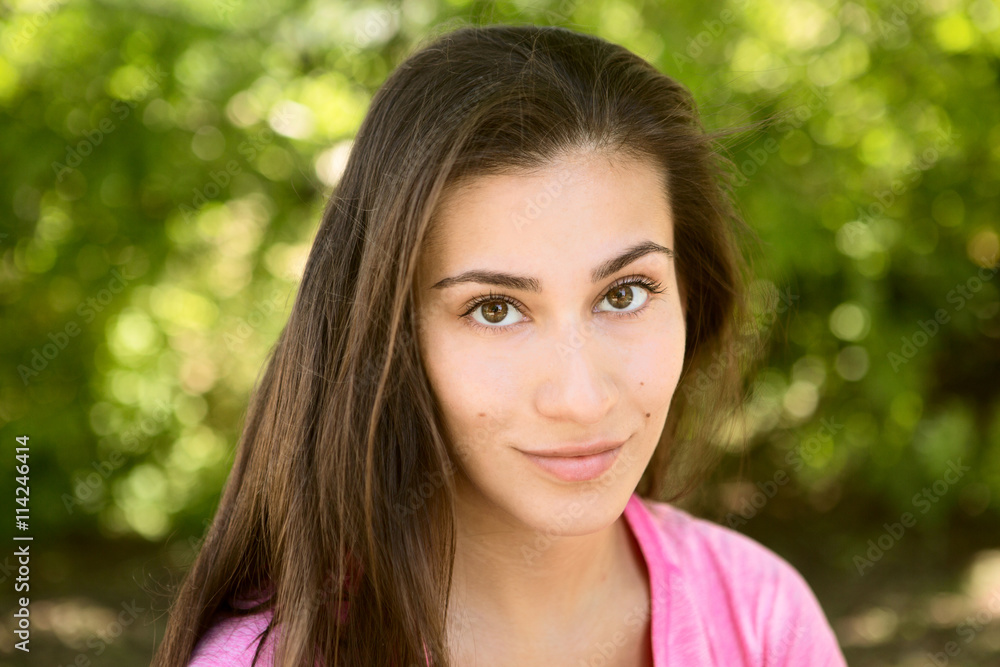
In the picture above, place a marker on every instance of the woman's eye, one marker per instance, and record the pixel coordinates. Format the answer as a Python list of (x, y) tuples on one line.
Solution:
[(627, 298), (494, 313)]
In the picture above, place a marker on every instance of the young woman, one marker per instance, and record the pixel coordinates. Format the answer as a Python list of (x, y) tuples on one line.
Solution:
[(494, 368)]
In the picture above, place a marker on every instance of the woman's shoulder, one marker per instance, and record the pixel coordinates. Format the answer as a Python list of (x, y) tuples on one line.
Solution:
[(715, 572), (690, 542), (232, 642)]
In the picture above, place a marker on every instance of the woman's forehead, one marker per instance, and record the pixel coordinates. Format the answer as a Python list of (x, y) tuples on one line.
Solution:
[(561, 205)]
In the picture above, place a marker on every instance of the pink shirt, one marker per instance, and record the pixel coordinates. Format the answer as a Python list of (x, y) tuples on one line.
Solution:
[(718, 598)]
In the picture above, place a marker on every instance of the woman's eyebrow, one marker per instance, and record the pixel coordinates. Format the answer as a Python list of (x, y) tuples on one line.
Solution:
[(527, 284)]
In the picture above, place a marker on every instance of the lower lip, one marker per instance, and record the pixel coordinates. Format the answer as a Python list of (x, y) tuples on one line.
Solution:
[(576, 468)]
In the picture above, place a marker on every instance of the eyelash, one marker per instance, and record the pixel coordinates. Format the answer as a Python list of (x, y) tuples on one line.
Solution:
[(651, 286)]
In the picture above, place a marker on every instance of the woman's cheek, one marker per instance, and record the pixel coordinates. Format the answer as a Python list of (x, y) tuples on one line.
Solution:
[(654, 369), (469, 387)]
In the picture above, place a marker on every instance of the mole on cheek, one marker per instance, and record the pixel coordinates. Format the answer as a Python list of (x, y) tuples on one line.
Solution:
[(647, 415)]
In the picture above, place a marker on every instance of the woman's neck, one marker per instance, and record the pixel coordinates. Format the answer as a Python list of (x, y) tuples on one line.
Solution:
[(519, 587)]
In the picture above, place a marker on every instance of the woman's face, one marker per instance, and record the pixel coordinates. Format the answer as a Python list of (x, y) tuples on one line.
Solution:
[(534, 339)]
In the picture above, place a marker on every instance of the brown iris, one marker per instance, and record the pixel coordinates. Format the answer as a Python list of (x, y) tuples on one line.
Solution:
[(494, 311), (620, 297)]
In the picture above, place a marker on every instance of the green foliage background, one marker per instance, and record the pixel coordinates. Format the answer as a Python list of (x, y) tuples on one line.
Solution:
[(163, 167)]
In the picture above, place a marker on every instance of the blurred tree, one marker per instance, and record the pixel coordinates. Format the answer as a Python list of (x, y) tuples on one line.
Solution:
[(165, 167)]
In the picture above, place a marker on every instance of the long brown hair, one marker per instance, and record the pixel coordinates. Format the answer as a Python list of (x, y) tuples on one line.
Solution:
[(341, 490)]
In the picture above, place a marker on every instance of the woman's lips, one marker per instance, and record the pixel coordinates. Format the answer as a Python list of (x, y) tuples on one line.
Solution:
[(576, 468)]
